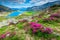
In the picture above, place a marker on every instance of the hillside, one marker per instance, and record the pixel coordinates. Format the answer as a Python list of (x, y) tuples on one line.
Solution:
[(4, 8)]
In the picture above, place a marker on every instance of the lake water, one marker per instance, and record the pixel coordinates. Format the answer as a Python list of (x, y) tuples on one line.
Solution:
[(14, 14)]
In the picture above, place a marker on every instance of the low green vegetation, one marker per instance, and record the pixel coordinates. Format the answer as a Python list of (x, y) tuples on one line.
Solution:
[(24, 30)]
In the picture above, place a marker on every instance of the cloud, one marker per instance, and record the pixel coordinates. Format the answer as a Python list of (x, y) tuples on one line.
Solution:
[(25, 5), (43, 2)]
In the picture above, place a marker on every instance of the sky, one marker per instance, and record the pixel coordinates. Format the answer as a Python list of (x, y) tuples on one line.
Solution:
[(23, 3)]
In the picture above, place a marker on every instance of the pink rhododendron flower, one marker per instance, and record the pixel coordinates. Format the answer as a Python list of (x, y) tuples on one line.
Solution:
[(34, 31), (4, 35), (38, 27), (51, 18), (55, 15), (49, 30)]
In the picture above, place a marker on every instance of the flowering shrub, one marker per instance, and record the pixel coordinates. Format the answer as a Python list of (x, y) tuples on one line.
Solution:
[(35, 27), (49, 19), (48, 30), (7, 34), (55, 15), (4, 35)]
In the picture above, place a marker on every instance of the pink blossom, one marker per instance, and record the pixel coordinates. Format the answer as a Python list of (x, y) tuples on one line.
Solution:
[(4, 35), (51, 18), (34, 31), (55, 15), (48, 30), (38, 27)]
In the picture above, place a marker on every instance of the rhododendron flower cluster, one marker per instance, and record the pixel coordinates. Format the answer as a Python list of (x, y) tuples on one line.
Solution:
[(4, 35), (48, 30), (49, 19), (7, 34), (55, 15), (38, 27)]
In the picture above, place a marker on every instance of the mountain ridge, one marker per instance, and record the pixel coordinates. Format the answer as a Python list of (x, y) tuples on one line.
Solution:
[(31, 8)]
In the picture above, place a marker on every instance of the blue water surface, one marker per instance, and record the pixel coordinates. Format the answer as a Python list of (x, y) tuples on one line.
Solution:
[(14, 14)]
